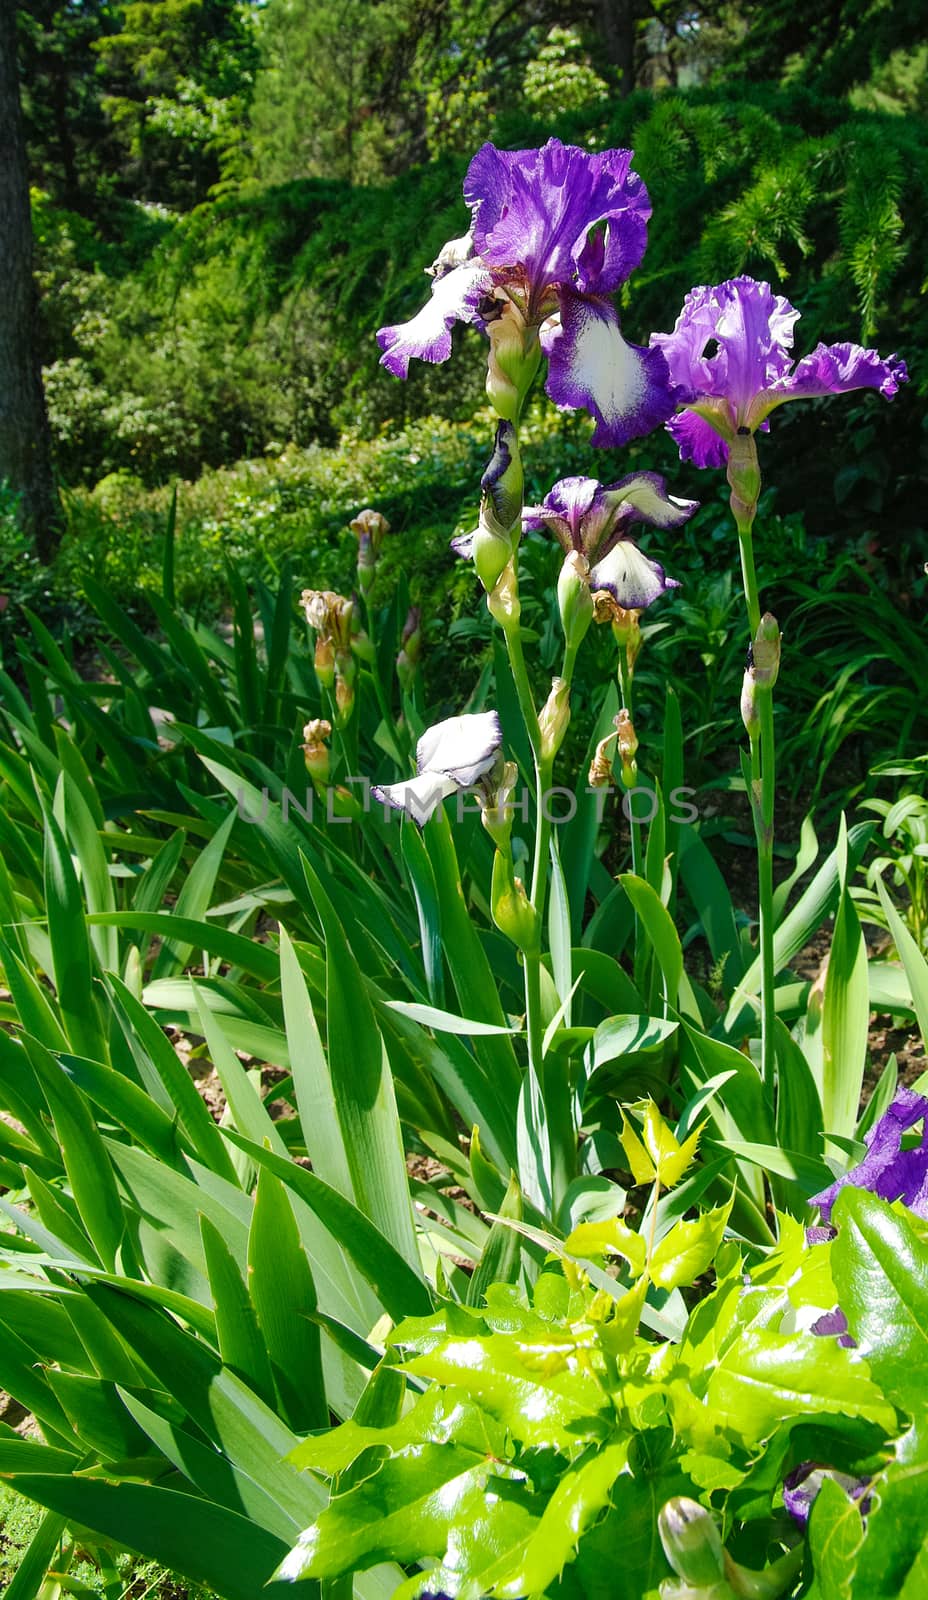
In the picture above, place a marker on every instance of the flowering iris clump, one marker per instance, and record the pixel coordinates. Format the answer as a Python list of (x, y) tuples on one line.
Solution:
[(731, 349), (554, 233)]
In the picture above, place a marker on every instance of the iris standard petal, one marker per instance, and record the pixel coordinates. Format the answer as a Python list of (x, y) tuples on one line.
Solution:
[(632, 578), (462, 748), (573, 511), (561, 216), (730, 341), (591, 367), (455, 298)]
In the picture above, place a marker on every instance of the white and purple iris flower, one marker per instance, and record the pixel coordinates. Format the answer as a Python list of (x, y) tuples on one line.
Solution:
[(453, 755), (593, 520), (554, 233), (731, 349)]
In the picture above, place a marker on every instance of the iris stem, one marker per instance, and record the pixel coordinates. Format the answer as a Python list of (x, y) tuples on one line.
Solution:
[(763, 791), (626, 679), (549, 1096)]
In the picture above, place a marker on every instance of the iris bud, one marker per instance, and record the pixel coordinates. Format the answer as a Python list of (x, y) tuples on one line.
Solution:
[(511, 909), (407, 662), (766, 652), (554, 718), (496, 811), (371, 528), (574, 599), (324, 662), (761, 672), (492, 555), (691, 1541), (315, 750), (344, 700), (628, 748)]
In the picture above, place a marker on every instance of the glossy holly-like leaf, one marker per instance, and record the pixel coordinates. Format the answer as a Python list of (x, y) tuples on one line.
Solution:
[(434, 1419), (836, 1533), (549, 1409), (688, 1249), (880, 1269), (612, 1237), (640, 1164), (763, 1378), (408, 1509), (580, 1496)]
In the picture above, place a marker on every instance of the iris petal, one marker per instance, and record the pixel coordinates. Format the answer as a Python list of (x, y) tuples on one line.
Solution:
[(633, 579), (455, 298), (591, 367)]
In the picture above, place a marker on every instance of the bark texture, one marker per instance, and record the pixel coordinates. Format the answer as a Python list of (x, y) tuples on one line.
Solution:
[(25, 438)]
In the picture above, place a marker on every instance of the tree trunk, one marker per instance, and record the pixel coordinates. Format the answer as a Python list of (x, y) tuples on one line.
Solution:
[(25, 438), (617, 30)]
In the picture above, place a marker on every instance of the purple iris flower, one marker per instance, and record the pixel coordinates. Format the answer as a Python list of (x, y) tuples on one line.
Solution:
[(594, 520), (887, 1169), (801, 1486), (731, 349), (554, 233)]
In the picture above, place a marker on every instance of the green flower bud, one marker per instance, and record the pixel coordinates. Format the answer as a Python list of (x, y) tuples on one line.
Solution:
[(691, 1541), (628, 748), (324, 662), (492, 555), (766, 652), (574, 599), (511, 909), (496, 811), (750, 715), (554, 718), (315, 749), (371, 528)]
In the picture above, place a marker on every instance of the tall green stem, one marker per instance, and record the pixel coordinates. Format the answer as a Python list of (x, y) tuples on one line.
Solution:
[(626, 679), (763, 788)]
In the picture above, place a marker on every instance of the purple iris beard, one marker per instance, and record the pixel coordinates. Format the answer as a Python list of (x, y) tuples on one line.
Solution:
[(555, 232), (595, 520), (731, 349)]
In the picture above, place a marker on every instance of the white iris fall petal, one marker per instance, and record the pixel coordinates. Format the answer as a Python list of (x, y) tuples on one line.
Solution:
[(453, 755)]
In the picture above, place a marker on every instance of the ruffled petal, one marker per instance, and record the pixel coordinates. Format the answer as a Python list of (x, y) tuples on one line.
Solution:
[(559, 215), (463, 748), (730, 341), (836, 368), (591, 367), (697, 440), (418, 797), (573, 510), (643, 497), (455, 298), (633, 579), (887, 1169)]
